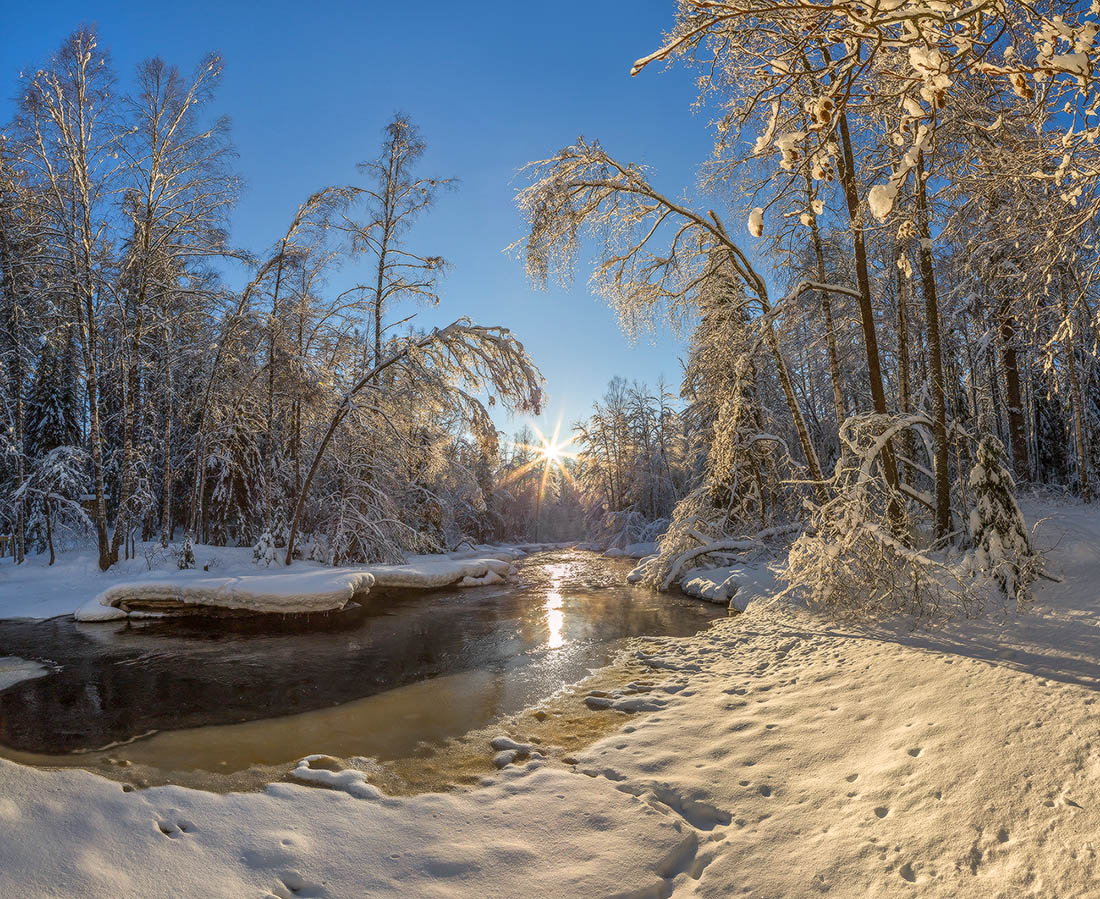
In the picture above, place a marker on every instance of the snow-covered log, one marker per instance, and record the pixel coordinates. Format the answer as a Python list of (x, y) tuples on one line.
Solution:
[(743, 544)]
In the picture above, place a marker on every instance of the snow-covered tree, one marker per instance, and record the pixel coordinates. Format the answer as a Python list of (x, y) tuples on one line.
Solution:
[(1001, 547)]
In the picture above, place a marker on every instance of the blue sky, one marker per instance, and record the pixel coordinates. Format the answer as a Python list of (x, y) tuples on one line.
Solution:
[(492, 86)]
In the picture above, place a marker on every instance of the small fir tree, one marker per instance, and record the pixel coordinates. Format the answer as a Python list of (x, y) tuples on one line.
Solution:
[(263, 552), (1000, 545), (185, 558)]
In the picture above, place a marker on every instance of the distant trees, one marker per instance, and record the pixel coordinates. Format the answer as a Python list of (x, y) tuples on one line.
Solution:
[(630, 465)]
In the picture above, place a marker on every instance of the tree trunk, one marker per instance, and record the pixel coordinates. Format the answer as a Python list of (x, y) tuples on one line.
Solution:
[(1076, 400), (1010, 362), (905, 402), (935, 356), (863, 282), (49, 525), (830, 332), (13, 289)]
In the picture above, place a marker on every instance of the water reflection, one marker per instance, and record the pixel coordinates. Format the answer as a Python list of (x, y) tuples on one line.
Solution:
[(499, 649), (555, 620)]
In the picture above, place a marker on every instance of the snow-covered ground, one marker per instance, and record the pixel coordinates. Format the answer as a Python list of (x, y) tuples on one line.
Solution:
[(786, 755), (226, 577)]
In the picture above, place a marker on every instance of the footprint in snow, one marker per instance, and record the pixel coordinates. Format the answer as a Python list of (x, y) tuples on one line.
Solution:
[(292, 885), (175, 830)]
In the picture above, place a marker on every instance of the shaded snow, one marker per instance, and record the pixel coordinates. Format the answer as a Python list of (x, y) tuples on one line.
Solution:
[(13, 670)]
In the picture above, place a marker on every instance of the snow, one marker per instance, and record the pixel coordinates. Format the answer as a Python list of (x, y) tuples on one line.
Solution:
[(880, 199), (430, 572), (287, 591), (756, 222), (778, 753), (736, 585), (67, 833), (227, 577), (13, 670), (632, 551)]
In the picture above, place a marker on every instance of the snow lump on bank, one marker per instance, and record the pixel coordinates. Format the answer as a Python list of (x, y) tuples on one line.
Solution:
[(294, 590)]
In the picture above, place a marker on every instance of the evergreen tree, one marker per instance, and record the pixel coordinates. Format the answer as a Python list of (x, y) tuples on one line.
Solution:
[(53, 408), (1001, 547)]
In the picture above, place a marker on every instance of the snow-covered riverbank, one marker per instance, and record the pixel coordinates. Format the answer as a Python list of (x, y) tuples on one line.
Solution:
[(227, 577), (788, 756)]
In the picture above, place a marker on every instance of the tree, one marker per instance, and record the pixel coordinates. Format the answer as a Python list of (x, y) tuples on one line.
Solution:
[(1001, 545), (394, 201)]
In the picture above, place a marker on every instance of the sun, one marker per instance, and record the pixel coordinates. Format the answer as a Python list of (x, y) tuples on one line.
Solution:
[(551, 450), (548, 453), (552, 454)]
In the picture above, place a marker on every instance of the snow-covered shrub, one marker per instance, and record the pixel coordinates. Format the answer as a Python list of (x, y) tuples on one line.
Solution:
[(264, 550), (1001, 548), (617, 530), (156, 555), (52, 491), (280, 530), (185, 557), (314, 548), (865, 551)]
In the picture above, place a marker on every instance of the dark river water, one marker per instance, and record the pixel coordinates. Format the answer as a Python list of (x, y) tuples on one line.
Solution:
[(404, 670)]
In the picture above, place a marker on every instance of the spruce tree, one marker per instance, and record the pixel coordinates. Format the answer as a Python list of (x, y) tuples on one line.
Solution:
[(53, 409), (1001, 547)]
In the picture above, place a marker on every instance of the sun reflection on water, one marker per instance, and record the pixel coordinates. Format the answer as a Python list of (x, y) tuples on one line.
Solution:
[(555, 619), (555, 616)]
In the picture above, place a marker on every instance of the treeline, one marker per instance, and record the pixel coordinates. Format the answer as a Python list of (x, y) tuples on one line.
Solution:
[(144, 395), (923, 181)]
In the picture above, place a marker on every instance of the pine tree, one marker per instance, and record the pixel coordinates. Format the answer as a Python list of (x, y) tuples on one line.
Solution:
[(185, 558)]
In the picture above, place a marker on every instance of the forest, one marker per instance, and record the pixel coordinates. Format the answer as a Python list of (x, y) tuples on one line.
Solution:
[(885, 276), (889, 289), (144, 396)]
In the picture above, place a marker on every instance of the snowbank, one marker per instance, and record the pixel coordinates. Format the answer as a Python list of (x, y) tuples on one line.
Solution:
[(632, 551), (432, 572), (293, 590), (287, 591), (735, 586), (226, 577)]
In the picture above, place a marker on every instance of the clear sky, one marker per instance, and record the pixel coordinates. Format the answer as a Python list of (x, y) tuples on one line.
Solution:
[(309, 87)]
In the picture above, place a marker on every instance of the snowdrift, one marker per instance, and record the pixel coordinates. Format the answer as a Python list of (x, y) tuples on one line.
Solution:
[(736, 586)]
